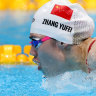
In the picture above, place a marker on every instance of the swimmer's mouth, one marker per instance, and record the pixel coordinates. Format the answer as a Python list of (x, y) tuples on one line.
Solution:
[(39, 66), (37, 62)]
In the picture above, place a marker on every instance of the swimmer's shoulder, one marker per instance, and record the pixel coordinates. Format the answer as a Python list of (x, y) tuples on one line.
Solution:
[(92, 55)]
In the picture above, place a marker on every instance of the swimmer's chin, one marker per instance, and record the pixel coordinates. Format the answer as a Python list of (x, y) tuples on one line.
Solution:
[(48, 73)]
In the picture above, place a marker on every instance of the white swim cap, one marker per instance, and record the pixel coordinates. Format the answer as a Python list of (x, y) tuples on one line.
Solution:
[(63, 21)]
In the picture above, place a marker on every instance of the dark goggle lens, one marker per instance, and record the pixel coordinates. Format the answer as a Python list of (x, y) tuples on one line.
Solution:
[(34, 43)]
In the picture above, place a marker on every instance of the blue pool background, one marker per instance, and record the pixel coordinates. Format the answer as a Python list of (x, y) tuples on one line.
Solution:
[(22, 80)]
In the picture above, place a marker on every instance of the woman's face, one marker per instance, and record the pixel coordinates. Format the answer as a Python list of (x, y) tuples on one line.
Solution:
[(54, 57)]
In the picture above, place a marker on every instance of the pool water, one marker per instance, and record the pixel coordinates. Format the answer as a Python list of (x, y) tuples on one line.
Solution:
[(22, 80)]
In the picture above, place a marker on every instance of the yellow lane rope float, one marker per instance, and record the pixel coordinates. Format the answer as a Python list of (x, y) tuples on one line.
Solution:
[(21, 4), (33, 5), (3, 5), (11, 54)]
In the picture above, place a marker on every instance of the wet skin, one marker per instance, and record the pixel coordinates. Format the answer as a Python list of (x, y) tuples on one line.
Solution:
[(55, 58)]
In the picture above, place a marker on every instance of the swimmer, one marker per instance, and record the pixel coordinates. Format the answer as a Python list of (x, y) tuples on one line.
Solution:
[(61, 38)]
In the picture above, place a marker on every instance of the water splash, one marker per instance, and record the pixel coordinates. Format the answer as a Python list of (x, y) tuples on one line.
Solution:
[(71, 82)]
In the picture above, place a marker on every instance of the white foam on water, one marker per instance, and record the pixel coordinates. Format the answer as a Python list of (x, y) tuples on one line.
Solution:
[(70, 82)]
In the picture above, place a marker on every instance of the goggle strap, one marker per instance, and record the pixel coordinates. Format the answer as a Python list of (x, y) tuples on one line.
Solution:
[(45, 39), (30, 42)]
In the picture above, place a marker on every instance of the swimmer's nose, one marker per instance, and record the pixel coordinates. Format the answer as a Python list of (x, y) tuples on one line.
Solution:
[(33, 52)]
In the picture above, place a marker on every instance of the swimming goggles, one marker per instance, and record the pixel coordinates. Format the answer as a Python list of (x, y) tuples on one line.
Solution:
[(36, 42)]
